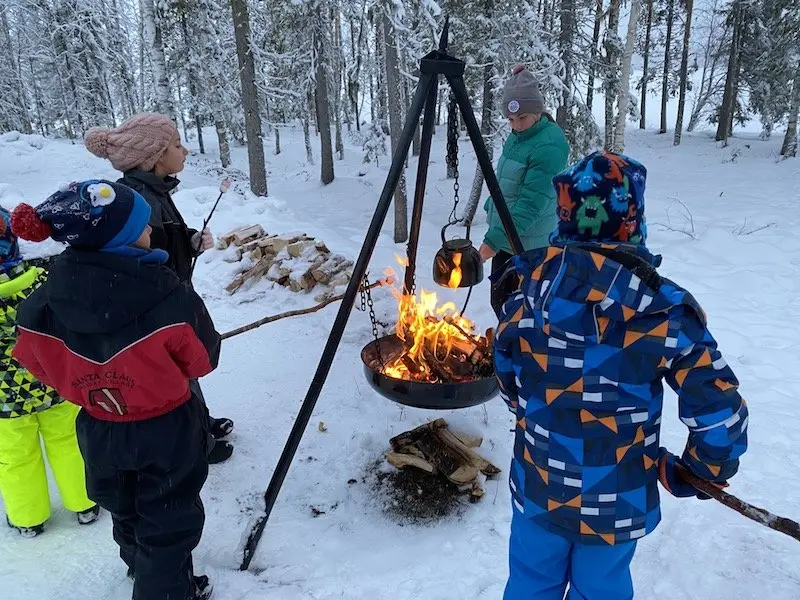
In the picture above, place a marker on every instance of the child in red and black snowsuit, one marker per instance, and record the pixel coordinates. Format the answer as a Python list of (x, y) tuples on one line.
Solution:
[(117, 333)]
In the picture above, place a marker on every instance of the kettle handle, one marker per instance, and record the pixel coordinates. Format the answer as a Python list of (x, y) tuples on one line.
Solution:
[(444, 240)]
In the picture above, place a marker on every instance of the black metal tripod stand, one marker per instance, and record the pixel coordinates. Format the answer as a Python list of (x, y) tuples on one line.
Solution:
[(432, 66)]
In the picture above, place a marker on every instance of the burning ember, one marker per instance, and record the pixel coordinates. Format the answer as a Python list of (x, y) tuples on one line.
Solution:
[(439, 344)]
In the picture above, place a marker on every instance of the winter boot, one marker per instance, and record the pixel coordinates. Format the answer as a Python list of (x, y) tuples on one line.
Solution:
[(219, 428), (221, 452), (89, 516), (27, 532), (203, 589)]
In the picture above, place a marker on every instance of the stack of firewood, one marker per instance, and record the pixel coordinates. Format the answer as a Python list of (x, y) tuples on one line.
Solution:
[(434, 449), (293, 260)]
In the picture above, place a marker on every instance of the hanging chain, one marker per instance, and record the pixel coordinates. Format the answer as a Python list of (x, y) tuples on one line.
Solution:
[(452, 152), (366, 303)]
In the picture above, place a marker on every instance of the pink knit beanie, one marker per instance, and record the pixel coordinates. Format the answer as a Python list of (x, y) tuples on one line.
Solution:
[(136, 144)]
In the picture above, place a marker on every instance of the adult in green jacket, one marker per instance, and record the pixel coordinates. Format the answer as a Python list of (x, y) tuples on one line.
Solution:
[(533, 154)]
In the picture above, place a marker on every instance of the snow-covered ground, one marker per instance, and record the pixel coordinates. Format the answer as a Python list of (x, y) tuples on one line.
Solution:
[(727, 222)]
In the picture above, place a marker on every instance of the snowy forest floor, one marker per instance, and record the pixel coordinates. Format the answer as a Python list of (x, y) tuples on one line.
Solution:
[(727, 223)]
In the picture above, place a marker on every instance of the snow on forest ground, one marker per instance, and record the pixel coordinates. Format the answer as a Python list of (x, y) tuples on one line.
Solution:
[(727, 222)]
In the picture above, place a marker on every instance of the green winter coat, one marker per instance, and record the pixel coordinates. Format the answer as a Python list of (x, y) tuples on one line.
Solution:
[(525, 171)]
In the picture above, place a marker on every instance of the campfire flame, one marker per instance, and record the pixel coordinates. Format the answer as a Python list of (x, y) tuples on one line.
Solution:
[(431, 333)]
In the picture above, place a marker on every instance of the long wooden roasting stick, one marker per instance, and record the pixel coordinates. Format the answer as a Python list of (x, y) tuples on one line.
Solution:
[(296, 313), (757, 514)]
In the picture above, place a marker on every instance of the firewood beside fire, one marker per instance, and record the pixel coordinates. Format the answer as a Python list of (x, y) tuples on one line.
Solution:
[(435, 450)]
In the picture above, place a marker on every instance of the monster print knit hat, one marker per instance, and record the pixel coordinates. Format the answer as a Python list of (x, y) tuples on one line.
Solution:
[(601, 199)]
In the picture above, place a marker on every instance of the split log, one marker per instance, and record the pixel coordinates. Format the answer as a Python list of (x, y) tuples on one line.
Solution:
[(296, 249), (401, 461), (246, 234), (470, 441), (258, 270), (451, 441), (409, 438)]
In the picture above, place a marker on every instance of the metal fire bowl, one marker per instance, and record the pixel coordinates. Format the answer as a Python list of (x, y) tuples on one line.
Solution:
[(420, 394)]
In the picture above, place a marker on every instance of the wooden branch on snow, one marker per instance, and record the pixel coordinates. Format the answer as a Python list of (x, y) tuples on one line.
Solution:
[(756, 513), (295, 313)]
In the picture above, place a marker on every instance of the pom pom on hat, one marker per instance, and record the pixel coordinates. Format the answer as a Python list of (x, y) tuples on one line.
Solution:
[(96, 141), (517, 69), (25, 223)]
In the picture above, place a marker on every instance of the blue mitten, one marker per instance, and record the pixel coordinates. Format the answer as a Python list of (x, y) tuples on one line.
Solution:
[(668, 475)]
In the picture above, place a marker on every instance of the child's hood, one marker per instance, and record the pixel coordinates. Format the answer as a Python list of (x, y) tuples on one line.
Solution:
[(98, 292), (574, 291)]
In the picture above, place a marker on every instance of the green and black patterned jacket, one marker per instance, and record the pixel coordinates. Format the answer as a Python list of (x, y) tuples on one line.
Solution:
[(20, 393)]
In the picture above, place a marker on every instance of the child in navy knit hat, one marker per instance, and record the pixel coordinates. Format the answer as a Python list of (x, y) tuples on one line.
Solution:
[(581, 353), (119, 335)]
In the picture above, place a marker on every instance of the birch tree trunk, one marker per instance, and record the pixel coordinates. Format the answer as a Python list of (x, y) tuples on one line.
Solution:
[(612, 82), (486, 130), (687, 33), (665, 75), (307, 139), (395, 122), (789, 146), (152, 33), (252, 114), (646, 66), (625, 78)]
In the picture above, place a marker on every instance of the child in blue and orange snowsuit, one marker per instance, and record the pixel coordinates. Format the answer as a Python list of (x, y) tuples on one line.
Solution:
[(30, 410), (581, 352)]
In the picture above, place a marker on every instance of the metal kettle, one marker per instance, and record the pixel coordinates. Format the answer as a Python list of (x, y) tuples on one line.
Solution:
[(457, 263)]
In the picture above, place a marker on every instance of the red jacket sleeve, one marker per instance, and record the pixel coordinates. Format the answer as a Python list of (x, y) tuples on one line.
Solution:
[(25, 354), (197, 351)]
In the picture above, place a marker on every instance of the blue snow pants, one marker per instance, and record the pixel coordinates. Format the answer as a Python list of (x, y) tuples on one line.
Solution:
[(541, 564)]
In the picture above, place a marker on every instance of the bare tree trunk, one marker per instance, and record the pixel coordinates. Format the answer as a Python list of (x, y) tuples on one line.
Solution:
[(191, 77), (665, 75), (222, 137), (158, 62), (687, 33), (252, 114), (395, 124), (625, 79), (566, 42), (729, 96), (323, 105), (307, 139), (789, 146), (612, 81), (646, 66), (337, 83), (381, 86), (598, 21), (486, 131), (20, 103), (277, 140)]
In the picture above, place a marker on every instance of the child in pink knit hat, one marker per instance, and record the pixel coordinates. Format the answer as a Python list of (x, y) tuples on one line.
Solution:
[(147, 149)]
